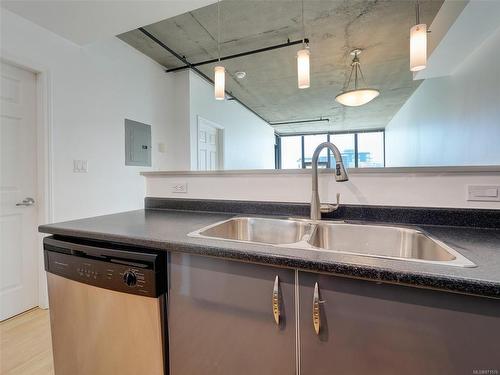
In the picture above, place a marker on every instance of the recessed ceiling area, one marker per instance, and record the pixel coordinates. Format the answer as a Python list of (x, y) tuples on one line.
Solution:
[(334, 28)]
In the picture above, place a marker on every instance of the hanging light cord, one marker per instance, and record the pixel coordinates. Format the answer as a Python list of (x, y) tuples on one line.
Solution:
[(356, 69), (303, 25), (417, 13), (218, 28)]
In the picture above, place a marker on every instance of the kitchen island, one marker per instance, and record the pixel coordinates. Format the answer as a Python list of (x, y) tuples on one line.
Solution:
[(248, 308)]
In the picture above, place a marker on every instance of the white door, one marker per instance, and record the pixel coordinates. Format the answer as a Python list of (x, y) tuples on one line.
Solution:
[(209, 157), (18, 219)]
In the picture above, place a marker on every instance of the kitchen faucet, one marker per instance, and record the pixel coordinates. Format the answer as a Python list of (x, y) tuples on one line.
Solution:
[(340, 176)]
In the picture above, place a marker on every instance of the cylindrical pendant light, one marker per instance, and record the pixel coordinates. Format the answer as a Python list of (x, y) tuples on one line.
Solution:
[(219, 82), (418, 43), (303, 68)]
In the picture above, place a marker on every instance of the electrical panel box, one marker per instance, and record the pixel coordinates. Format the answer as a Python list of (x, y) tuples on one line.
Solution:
[(137, 143)]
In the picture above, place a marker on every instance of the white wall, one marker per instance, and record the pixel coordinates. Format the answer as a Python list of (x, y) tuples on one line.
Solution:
[(92, 90), (248, 140), (452, 120), (181, 131), (412, 188)]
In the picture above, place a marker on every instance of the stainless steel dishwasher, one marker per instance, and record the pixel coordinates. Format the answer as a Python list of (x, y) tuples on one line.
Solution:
[(107, 305)]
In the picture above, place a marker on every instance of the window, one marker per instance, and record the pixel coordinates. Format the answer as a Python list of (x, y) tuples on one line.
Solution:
[(358, 150), (310, 144), (346, 145), (371, 150), (291, 152)]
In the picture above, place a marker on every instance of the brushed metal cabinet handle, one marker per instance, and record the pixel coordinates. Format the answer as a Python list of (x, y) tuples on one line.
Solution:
[(276, 300), (315, 310)]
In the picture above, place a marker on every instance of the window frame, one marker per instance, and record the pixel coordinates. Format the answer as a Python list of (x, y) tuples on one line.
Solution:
[(328, 134)]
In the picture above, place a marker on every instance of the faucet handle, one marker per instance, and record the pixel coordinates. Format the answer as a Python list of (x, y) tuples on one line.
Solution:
[(325, 208)]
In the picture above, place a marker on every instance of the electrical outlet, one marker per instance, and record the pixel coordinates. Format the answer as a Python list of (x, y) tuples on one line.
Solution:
[(180, 187), (486, 193), (80, 166)]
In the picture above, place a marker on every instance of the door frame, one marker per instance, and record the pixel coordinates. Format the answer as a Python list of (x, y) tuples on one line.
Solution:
[(44, 153), (220, 139)]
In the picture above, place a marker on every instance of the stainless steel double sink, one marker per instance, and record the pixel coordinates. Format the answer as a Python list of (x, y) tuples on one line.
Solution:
[(368, 240)]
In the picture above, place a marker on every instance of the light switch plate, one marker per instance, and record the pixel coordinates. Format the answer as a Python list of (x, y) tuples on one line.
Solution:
[(486, 193), (179, 187)]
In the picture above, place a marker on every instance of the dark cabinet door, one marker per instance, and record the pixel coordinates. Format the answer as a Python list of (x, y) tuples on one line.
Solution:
[(370, 328), (221, 320)]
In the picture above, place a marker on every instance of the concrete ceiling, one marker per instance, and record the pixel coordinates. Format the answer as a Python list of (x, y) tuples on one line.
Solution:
[(379, 27), (86, 21)]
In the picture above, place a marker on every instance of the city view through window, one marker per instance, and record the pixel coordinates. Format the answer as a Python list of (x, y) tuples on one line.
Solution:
[(358, 150)]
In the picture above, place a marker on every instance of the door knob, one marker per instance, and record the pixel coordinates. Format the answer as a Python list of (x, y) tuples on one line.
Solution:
[(26, 202)]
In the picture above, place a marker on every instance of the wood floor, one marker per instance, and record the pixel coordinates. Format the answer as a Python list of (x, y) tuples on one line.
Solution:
[(25, 346)]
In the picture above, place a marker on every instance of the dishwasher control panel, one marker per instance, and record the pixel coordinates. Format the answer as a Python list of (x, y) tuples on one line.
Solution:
[(114, 273)]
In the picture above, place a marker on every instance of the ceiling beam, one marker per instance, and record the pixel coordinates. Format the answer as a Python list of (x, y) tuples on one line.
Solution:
[(273, 123), (195, 69), (252, 52)]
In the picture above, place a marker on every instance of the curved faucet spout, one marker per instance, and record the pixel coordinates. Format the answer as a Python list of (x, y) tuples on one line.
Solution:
[(340, 176)]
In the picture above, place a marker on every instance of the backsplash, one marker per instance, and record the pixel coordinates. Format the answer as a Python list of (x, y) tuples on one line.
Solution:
[(426, 187), (466, 217)]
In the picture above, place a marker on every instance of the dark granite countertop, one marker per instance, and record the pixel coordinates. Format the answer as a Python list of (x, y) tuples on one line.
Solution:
[(167, 229)]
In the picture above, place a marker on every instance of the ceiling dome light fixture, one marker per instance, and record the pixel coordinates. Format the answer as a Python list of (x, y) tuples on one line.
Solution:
[(418, 43), (356, 96), (219, 70), (240, 75), (303, 68)]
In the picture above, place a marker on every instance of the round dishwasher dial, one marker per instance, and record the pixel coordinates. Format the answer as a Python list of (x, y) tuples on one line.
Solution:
[(130, 278)]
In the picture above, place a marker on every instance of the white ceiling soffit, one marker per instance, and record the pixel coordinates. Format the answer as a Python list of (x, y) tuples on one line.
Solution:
[(85, 21), (478, 20)]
